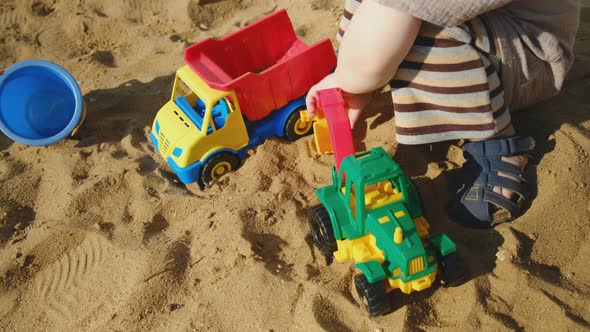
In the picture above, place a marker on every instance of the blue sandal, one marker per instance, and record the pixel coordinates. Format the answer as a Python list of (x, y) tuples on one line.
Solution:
[(476, 204)]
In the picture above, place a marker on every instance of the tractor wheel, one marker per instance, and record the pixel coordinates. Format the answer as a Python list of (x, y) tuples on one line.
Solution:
[(451, 270), (372, 295), (295, 128), (217, 166), (322, 231)]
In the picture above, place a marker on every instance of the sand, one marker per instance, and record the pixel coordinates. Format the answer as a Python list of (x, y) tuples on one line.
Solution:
[(97, 234)]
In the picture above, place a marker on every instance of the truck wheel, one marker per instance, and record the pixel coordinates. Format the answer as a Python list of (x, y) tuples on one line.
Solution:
[(322, 231), (295, 128), (451, 270), (217, 166), (372, 295)]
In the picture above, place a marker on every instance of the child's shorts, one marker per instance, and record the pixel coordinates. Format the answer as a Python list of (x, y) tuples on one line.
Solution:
[(448, 86)]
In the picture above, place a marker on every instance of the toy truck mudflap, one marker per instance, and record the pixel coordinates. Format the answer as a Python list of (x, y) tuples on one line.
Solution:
[(443, 244)]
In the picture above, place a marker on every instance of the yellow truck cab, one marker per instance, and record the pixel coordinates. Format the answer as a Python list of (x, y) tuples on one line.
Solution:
[(196, 122)]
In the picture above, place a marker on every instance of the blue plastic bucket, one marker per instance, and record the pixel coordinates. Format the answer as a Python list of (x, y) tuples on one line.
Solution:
[(40, 103)]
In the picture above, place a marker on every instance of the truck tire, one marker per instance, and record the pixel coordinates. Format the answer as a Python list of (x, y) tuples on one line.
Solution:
[(217, 166), (452, 271), (373, 296), (322, 231), (295, 128)]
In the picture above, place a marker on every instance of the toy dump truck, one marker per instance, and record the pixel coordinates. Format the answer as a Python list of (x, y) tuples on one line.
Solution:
[(371, 213), (234, 93)]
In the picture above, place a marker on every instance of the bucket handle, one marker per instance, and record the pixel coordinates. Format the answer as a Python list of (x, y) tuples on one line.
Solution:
[(81, 120)]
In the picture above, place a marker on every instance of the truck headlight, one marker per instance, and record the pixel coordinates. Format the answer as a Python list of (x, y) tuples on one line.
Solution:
[(177, 152), (157, 127)]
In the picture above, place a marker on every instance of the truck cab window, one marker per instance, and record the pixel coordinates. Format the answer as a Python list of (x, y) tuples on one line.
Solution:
[(182, 94)]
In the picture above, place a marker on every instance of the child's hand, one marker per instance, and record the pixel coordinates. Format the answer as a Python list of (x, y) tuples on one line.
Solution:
[(355, 102)]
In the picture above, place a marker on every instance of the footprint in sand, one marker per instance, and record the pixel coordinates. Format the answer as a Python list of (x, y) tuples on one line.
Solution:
[(41, 9), (10, 16), (210, 13), (86, 284), (14, 219), (268, 247), (158, 224), (326, 315), (143, 9)]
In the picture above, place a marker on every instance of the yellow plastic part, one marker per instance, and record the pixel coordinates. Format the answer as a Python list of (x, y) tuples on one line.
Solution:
[(380, 194), (321, 132), (416, 265), (304, 116), (302, 126), (398, 236), (414, 285), (365, 249), (197, 144), (422, 227), (75, 131), (384, 220), (360, 250), (376, 195), (220, 169)]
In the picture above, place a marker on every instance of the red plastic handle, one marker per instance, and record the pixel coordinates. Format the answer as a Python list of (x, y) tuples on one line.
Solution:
[(334, 108)]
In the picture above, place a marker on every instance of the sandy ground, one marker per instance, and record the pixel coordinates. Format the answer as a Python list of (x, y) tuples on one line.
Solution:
[(96, 233)]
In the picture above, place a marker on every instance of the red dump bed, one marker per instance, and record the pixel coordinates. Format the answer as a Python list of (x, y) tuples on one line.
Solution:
[(265, 63)]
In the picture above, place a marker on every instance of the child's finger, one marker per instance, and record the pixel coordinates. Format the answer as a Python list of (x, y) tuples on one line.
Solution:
[(309, 99), (310, 104)]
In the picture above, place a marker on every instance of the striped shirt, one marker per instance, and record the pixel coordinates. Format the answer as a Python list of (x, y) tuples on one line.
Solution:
[(449, 85), (533, 38)]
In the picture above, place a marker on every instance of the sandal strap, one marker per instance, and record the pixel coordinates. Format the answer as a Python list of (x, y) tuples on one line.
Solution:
[(506, 183), (499, 165), (500, 147), (503, 202)]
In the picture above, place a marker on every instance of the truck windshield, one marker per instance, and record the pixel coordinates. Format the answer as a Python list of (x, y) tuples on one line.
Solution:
[(194, 107)]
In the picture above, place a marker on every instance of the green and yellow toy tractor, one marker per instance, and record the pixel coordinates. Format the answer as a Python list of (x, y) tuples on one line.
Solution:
[(371, 213)]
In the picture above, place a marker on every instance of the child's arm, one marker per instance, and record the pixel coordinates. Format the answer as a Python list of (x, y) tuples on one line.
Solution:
[(375, 43)]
